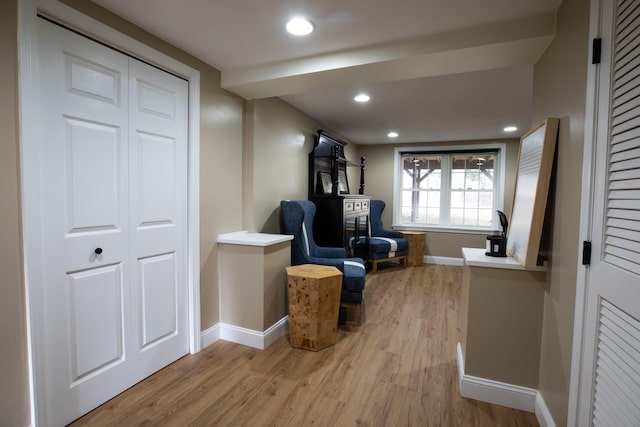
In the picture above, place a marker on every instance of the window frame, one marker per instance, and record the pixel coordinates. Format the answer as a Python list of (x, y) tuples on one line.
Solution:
[(499, 173)]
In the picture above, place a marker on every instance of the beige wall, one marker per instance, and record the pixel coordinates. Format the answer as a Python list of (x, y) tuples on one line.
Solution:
[(503, 324), (379, 185), (220, 185), (278, 140), (254, 297), (14, 391), (559, 91), (281, 142)]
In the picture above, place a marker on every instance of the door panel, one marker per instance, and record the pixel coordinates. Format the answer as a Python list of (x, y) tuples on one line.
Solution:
[(97, 330), (159, 292), (80, 122), (155, 100), (156, 171), (158, 214), (93, 80), (92, 180)]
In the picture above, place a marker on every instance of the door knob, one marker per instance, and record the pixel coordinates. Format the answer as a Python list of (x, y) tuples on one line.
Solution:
[(98, 251)]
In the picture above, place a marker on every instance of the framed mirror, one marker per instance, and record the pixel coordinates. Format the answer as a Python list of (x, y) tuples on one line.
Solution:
[(535, 161)]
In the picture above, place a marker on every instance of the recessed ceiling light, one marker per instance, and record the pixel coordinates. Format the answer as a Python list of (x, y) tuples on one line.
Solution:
[(299, 27), (510, 129), (392, 134), (363, 97)]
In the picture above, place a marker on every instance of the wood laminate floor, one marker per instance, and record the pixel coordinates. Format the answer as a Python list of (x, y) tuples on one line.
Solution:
[(397, 369)]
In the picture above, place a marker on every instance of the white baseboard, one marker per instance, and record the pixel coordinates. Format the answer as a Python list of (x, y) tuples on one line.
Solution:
[(499, 393), (278, 329), (210, 336), (244, 336), (443, 260), (509, 395), (460, 359), (542, 413)]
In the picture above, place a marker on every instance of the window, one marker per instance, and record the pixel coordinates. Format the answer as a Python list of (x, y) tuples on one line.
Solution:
[(457, 188)]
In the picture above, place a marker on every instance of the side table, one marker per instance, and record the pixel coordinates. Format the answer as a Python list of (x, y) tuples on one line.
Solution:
[(314, 304), (417, 241)]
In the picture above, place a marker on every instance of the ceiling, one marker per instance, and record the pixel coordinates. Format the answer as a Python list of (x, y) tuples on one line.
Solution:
[(435, 70)]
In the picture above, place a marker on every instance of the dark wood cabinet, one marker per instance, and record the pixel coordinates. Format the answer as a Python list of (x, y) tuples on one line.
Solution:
[(341, 218)]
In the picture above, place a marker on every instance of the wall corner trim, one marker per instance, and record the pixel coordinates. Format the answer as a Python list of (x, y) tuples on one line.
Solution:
[(542, 412), (244, 336), (499, 393), (209, 336)]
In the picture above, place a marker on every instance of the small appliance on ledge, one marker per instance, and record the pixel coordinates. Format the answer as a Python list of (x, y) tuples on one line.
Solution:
[(497, 244)]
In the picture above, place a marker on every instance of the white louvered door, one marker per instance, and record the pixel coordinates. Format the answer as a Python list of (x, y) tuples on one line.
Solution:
[(610, 377)]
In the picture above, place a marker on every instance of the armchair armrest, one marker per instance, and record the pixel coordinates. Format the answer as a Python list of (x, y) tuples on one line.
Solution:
[(335, 262), (327, 252), (388, 233)]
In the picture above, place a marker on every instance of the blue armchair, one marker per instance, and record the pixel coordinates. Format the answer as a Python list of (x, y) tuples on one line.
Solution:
[(297, 220), (384, 245)]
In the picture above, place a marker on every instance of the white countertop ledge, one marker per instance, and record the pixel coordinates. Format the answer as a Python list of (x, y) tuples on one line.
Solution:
[(253, 239), (475, 257)]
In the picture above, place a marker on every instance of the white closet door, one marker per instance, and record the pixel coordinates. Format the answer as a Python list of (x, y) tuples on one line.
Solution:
[(112, 139), (610, 369), (158, 214)]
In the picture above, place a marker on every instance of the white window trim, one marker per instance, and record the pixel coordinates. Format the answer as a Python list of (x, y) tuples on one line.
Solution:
[(501, 147)]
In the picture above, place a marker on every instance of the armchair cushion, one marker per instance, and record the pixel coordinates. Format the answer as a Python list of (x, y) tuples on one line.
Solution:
[(382, 248), (385, 247), (353, 271)]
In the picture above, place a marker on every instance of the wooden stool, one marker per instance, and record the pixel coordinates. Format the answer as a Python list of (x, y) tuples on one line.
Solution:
[(402, 260), (314, 305), (417, 241), (357, 311)]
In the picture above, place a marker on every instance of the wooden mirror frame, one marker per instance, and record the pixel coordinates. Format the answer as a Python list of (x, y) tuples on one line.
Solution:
[(535, 161)]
